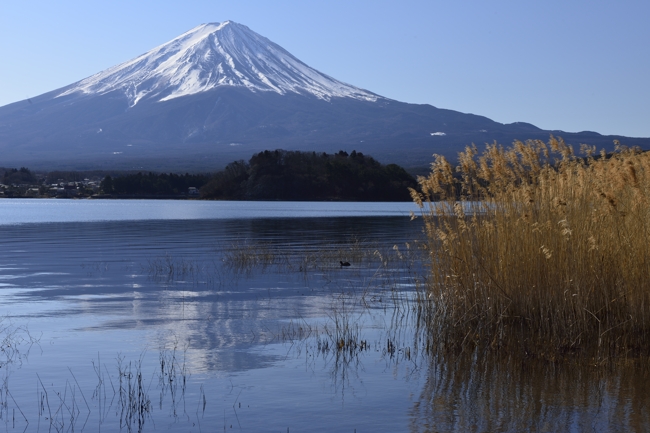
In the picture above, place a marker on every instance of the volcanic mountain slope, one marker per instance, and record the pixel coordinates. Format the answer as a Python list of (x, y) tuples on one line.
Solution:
[(221, 92)]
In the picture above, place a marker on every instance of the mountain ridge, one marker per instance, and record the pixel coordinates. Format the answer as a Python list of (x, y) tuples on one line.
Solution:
[(221, 92)]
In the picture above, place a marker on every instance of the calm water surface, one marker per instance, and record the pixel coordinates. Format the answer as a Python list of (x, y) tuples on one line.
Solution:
[(203, 316)]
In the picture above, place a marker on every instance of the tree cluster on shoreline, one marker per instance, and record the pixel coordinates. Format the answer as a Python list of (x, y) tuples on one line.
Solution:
[(268, 175), (152, 184), (295, 175)]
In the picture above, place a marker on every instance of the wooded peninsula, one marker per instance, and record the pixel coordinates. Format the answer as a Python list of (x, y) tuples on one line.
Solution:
[(268, 175)]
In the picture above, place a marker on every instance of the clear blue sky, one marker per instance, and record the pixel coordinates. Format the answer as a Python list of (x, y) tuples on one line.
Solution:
[(572, 65)]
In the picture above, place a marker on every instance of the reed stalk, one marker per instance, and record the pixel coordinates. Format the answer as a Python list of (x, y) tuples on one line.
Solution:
[(536, 250)]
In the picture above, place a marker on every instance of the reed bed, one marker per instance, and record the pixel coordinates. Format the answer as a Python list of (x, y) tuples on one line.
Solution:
[(539, 251)]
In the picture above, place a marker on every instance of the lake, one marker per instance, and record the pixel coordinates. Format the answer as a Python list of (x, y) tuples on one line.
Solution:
[(192, 316)]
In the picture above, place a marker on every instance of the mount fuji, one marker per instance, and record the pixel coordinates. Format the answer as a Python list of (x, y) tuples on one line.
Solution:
[(221, 92), (212, 56)]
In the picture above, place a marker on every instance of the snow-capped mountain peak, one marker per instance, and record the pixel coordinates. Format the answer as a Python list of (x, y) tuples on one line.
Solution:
[(213, 55)]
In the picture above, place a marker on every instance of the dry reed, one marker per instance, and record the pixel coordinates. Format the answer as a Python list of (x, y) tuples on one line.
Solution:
[(538, 251)]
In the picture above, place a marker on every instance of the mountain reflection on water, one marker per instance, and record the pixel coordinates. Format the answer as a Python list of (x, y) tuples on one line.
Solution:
[(237, 324)]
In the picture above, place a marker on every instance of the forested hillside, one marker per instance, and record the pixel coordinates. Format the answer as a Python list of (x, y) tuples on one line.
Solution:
[(295, 175)]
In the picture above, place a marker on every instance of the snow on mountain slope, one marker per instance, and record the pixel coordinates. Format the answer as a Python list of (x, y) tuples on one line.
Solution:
[(213, 55)]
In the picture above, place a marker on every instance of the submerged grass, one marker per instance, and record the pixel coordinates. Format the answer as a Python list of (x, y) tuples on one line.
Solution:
[(246, 257), (123, 395), (243, 257), (538, 251)]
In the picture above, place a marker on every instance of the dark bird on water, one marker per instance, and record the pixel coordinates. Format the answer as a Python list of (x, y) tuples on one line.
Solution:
[(345, 264)]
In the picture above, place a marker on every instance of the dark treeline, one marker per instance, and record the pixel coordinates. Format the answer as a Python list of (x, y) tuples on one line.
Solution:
[(268, 175), (25, 175), (77, 176), (17, 176), (153, 183), (295, 175)]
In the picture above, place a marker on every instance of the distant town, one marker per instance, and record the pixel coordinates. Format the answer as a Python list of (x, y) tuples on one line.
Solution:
[(23, 183), (17, 183)]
